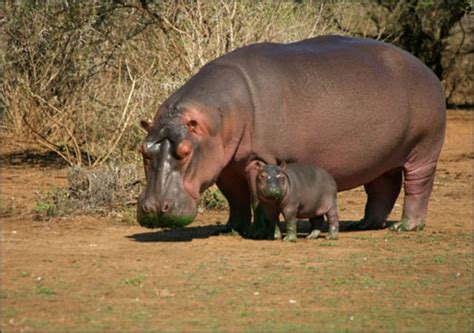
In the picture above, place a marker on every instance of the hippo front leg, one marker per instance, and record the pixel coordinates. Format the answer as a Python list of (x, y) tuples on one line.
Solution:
[(291, 228), (235, 189)]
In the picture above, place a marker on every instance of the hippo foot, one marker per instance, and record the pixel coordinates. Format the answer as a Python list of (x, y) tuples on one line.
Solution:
[(290, 237), (277, 233), (256, 233), (405, 225), (230, 229), (333, 233), (314, 234), (366, 224)]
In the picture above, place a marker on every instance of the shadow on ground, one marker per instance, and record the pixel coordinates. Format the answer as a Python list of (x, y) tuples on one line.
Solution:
[(31, 157), (187, 234), (177, 235)]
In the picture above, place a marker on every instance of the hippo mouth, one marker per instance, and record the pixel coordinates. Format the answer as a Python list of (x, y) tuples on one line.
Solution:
[(273, 194), (154, 220)]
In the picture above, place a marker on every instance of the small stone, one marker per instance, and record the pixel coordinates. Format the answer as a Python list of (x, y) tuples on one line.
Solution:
[(458, 274), (39, 278), (256, 293), (292, 301), (351, 318), (165, 293)]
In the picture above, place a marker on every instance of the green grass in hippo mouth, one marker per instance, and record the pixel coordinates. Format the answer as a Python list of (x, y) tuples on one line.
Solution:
[(164, 221)]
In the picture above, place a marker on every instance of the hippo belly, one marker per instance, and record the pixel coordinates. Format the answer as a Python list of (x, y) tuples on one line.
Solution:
[(357, 108)]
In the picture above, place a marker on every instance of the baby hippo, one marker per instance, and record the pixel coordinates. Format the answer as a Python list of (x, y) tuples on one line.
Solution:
[(297, 191)]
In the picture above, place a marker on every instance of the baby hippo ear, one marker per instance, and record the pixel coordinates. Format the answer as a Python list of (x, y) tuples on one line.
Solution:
[(283, 166), (259, 165), (146, 125)]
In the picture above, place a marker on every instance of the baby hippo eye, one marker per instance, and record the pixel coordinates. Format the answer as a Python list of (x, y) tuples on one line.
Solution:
[(262, 175)]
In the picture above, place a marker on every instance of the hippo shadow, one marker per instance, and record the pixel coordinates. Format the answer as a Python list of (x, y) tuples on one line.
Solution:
[(304, 227), (351, 226), (186, 234)]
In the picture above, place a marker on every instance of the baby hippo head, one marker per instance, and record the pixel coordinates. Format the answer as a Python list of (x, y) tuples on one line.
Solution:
[(271, 181)]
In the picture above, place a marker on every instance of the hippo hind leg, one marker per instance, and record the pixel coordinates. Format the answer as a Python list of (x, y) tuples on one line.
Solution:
[(418, 184), (317, 224), (381, 196)]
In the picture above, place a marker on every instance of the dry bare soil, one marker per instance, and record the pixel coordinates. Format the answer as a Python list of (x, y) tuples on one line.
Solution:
[(92, 273)]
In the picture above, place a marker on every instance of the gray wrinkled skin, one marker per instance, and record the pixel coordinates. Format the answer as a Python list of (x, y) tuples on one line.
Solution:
[(298, 191)]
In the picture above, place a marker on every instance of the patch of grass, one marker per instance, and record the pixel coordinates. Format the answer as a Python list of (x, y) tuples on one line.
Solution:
[(129, 215), (24, 274), (211, 290), (328, 243), (140, 316), (10, 312), (43, 291), (368, 282), (213, 199), (439, 259), (135, 281), (363, 237), (339, 281), (6, 208), (244, 314), (51, 203)]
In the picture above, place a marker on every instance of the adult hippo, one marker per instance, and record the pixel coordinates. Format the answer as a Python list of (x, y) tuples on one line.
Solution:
[(368, 112)]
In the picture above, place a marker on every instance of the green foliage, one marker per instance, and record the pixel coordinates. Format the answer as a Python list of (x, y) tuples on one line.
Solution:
[(439, 259), (213, 198), (51, 203), (135, 281), (43, 291)]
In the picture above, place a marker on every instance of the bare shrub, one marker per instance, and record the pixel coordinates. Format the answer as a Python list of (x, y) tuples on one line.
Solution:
[(106, 188), (80, 75)]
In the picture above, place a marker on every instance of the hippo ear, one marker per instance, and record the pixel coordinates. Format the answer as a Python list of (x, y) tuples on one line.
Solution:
[(146, 125), (195, 122), (259, 165), (283, 166)]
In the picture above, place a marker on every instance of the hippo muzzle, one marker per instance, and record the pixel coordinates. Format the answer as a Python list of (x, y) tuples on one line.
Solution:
[(173, 213), (164, 202)]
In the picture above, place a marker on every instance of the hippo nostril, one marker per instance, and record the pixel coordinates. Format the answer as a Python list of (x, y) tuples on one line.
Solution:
[(165, 207), (148, 207)]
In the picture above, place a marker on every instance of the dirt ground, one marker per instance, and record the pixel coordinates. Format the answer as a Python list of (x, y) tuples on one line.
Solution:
[(94, 273)]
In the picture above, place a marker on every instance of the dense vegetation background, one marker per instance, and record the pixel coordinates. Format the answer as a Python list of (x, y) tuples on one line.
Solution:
[(77, 76)]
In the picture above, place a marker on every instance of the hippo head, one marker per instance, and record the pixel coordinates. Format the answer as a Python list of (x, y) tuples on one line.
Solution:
[(271, 182), (182, 155)]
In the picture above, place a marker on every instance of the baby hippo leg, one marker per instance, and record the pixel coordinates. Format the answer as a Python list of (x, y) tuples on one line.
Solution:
[(316, 227), (277, 234), (333, 223)]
